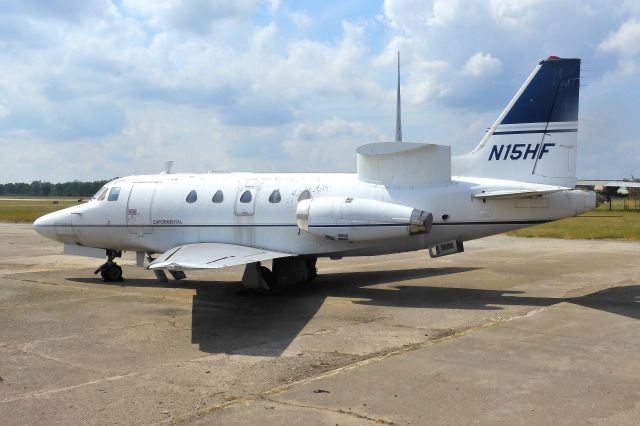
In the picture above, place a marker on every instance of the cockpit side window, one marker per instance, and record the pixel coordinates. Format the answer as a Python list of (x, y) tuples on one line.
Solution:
[(114, 194)]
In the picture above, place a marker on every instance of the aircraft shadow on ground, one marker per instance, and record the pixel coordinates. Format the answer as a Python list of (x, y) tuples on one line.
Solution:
[(228, 319)]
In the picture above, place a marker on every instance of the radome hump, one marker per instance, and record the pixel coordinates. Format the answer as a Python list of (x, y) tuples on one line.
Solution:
[(404, 164)]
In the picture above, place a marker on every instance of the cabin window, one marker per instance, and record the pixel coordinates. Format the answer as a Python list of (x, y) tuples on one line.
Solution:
[(246, 197), (275, 196), (114, 194), (306, 195), (192, 196), (218, 197)]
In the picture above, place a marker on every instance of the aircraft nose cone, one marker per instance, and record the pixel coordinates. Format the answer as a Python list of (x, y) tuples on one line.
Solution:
[(44, 226)]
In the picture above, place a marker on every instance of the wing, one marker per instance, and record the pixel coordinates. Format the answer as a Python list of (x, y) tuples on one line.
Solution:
[(623, 184), (211, 256), (516, 193)]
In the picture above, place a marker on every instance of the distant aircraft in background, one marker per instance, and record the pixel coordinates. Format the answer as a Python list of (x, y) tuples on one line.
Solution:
[(403, 197), (610, 188)]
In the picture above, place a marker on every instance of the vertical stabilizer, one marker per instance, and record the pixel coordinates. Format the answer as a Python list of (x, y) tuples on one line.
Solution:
[(398, 113), (535, 138)]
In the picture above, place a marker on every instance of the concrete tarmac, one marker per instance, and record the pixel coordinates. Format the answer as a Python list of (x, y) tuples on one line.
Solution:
[(513, 331)]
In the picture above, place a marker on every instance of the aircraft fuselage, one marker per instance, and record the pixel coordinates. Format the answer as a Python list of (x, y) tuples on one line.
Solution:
[(154, 213)]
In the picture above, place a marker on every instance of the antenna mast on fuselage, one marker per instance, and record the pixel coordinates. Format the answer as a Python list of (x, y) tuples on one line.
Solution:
[(398, 120)]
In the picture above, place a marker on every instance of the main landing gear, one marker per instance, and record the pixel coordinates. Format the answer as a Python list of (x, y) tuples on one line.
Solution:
[(287, 272), (110, 271)]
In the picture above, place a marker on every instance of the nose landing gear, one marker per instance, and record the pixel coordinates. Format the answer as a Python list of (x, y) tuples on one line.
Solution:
[(110, 271)]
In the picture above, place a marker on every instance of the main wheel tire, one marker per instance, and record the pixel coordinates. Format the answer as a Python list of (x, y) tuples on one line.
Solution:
[(111, 272), (267, 276), (312, 272)]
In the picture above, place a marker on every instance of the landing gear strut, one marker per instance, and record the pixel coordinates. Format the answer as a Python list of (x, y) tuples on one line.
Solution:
[(110, 271)]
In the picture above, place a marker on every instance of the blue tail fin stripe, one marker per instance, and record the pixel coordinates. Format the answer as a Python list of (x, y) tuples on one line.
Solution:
[(551, 96)]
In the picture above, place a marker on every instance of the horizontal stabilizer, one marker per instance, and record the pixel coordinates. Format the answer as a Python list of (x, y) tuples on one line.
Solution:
[(211, 256), (515, 193)]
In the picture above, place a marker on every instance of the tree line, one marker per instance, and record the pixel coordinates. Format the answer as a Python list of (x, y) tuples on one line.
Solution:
[(48, 189)]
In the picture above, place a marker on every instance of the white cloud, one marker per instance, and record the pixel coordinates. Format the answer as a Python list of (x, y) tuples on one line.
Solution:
[(135, 82), (514, 13), (625, 41), (274, 5), (444, 11), (192, 16), (300, 18), (330, 144), (425, 81), (481, 64), (406, 15)]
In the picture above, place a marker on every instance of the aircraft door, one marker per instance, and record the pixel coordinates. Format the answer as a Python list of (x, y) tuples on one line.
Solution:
[(246, 201), (139, 207)]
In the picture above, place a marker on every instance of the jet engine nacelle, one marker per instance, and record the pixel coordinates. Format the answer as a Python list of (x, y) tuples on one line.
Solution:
[(359, 219)]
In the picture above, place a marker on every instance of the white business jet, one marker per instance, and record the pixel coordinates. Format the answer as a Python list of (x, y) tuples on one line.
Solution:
[(403, 197)]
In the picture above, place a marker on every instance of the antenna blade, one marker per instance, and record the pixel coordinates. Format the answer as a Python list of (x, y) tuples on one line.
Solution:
[(167, 168), (398, 112)]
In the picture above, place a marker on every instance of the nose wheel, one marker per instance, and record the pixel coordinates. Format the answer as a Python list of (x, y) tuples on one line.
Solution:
[(110, 270)]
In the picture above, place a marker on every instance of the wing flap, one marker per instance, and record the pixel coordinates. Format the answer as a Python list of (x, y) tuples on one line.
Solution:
[(211, 256), (504, 194)]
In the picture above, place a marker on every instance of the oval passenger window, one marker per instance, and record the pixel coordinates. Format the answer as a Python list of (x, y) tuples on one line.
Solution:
[(245, 197), (275, 196), (218, 196), (306, 195), (192, 196)]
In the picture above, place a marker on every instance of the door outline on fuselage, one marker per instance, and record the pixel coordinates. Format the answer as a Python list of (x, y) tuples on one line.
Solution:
[(246, 209), (139, 205)]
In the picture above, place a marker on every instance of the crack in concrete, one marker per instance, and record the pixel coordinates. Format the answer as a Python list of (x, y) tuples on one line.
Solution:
[(377, 357), (46, 358), (66, 388), (337, 411), (56, 302), (121, 290)]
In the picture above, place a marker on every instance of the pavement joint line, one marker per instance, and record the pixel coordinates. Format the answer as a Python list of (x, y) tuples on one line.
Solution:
[(67, 388), (57, 302), (73, 286), (93, 330), (114, 291), (373, 359), (337, 411), (37, 355), (10, 273)]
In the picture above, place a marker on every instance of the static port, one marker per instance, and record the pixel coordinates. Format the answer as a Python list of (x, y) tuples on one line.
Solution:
[(445, 217)]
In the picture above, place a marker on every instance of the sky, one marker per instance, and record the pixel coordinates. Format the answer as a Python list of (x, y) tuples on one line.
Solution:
[(94, 89)]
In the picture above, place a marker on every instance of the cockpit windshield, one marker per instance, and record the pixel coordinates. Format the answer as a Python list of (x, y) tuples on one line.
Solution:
[(100, 194)]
